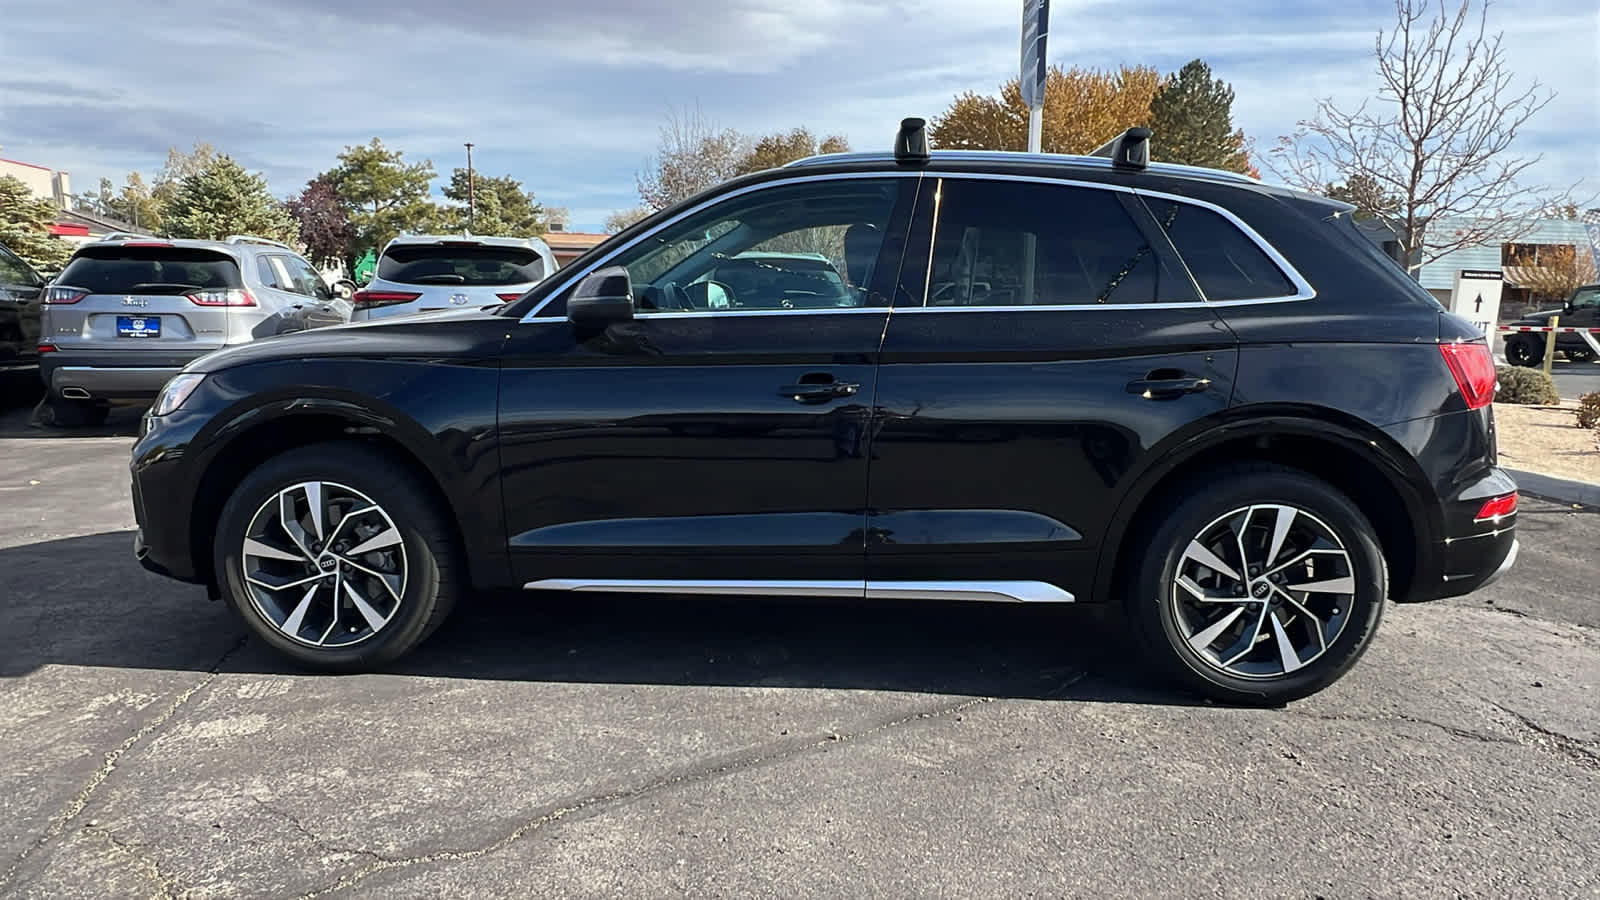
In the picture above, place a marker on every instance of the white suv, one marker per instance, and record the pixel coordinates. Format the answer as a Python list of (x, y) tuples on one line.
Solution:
[(425, 272)]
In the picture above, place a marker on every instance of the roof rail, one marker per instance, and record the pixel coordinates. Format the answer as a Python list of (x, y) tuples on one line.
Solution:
[(251, 239), (1128, 150)]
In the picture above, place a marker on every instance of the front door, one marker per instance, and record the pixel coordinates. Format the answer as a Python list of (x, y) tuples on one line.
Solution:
[(719, 440), (1057, 341)]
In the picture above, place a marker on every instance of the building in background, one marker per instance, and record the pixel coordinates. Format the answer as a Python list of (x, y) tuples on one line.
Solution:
[(567, 246), (44, 182), (1514, 259)]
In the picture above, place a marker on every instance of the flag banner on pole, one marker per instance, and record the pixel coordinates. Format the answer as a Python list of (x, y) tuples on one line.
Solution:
[(1035, 24)]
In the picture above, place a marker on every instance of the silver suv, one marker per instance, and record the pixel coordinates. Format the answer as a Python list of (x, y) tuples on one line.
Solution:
[(126, 314), (423, 272)]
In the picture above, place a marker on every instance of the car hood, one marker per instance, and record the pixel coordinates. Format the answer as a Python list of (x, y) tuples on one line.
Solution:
[(1539, 318), (446, 334)]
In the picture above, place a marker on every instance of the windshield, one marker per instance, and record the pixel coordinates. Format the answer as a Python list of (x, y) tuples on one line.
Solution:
[(150, 270), (464, 265), (1588, 296)]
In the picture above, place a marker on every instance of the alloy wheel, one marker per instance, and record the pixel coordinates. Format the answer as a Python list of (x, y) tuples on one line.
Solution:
[(1263, 591), (324, 564)]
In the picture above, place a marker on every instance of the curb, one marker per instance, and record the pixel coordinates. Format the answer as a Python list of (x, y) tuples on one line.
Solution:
[(1565, 490)]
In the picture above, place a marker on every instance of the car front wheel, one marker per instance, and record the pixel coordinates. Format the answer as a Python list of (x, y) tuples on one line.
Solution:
[(336, 556), (1262, 585)]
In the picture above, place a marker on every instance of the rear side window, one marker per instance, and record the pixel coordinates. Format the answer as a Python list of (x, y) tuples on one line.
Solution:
[(15, 271), (1225, 262), (150, 270), (1001, 243), (468, 265)]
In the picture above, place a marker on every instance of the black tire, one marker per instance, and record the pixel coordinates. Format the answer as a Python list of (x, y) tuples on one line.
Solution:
[(1523, 352), (1579, 354), (1155, 599), (78, 413), (433, 572)]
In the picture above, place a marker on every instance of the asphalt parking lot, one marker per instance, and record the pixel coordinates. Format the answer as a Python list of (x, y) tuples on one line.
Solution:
[(603, 747), (1573, 380)]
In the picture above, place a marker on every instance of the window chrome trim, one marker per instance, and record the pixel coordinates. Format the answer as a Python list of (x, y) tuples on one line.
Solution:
[(1303, 288), (980, 591), (573, 279)]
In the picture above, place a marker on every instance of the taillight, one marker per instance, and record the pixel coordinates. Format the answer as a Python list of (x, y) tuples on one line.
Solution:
[(365, 299), (47, 348), (63, 296), (1497, 508), (228, 297), (1473, 367), (510, 297), (145, 244)]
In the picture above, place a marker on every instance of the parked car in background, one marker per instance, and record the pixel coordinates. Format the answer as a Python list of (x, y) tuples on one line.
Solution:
[(1183, 407), (426, 272), (1582, 310), (20, 291), (126, 315)]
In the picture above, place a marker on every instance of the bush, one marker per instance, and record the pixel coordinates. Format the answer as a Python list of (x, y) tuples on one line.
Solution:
[(1589, 410), (1529, 387)]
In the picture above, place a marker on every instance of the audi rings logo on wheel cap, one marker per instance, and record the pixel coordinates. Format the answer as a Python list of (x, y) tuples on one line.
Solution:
[(458, 299), (327, 563), (1261, 590)]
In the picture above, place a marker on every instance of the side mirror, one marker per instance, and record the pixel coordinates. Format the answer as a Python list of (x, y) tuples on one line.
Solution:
[(604, 297)]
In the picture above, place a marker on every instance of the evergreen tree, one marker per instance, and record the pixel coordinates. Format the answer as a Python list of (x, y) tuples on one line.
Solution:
[(220, 199), (25, 226), (1192, 120)]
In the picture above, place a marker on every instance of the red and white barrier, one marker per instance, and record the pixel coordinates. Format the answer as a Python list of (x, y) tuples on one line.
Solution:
[(1588, 334)]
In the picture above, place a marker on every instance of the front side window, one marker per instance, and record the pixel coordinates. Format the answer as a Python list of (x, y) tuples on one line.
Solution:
[(812, 245), (306, 279), (1010, 243), (1224, 261)]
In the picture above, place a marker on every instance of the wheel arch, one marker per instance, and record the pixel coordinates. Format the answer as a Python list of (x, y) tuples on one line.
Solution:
[(1355, 457), (246, 438)]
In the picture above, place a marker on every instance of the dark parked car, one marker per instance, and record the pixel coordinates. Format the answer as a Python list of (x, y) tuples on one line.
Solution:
[(1582, 310), (1206, 401), (20, 291)]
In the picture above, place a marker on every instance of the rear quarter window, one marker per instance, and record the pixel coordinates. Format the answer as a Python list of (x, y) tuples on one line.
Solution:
[(433, 264), (150, 270), (1224, 261)]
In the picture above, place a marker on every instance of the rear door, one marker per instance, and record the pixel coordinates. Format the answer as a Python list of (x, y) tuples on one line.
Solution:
[(1056, 342), (149, 295)]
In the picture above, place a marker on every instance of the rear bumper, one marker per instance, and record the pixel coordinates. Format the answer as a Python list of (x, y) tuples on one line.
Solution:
[(112, 374), (1472, 554)]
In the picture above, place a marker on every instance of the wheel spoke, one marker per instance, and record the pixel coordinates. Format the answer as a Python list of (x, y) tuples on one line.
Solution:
[(1249, 643), (1316, 623), (297, 618), (374, 618), (1305, 555), (258, 581), (1343, 585), (387, 579), (346, 519), (387, 538), (1203, 640), (1286, 651), (1201, 554), (313, 492), (253, 547), (1202, 595), (1280, 531), (290, 523)]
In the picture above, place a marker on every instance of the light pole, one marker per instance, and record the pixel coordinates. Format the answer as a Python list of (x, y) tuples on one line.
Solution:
[(472, 202)]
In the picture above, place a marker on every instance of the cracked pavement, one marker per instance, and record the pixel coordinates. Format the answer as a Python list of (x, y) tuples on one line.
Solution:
[(627, 746)]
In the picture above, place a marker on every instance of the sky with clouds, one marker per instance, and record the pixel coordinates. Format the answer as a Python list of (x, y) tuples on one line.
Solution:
[(568, 96)]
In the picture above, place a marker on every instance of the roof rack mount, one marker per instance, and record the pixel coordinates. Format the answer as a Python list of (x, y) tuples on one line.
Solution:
[(1128, 150)]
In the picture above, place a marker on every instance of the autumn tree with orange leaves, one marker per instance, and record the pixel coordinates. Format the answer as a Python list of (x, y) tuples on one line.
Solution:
[(1083, 108)]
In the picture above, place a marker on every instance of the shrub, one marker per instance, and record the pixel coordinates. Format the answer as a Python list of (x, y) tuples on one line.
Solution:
[(1589, 410), (1529, 387)]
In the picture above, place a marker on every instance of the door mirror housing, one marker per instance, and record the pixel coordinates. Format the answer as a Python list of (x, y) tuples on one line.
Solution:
[(604, 297)]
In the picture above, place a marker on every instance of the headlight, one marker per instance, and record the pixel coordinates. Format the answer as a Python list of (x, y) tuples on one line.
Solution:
[(176, 391)]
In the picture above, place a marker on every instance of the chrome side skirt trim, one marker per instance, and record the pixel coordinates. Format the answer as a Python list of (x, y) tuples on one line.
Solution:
[(984, 591)]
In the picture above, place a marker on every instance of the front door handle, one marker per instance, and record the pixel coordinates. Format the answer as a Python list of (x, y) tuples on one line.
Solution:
[(1163, 385), (818, 391)]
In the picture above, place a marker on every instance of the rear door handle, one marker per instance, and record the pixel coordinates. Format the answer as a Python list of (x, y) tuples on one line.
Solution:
[(818, 392), (1167, 387)]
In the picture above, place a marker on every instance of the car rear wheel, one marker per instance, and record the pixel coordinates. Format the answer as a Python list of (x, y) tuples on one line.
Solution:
[(1523, 352), (336, 556), (1260, 586)]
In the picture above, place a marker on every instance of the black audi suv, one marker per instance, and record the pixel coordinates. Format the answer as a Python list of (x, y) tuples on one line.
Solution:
[(1208, 402)]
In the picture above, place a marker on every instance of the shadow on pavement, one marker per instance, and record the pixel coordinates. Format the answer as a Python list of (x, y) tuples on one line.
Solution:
[(25, 421), (83, 601)]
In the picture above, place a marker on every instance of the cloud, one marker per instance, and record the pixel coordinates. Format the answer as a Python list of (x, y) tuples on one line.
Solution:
[(568, 97)]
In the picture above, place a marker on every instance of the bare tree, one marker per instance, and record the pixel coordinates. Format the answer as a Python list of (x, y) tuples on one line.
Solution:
[(622, 218), (1436, 137), (694, 154)]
